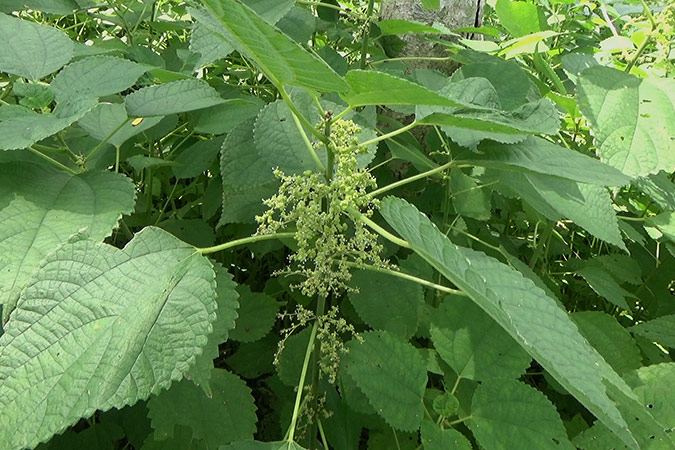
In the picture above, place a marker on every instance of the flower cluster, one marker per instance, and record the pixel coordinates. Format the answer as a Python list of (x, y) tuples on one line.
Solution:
[(324, 210)]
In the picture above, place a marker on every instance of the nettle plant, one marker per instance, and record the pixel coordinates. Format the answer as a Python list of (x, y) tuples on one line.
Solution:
[(250, 225)]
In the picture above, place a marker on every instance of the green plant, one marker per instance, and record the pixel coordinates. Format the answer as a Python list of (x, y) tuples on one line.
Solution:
[(247, 225)]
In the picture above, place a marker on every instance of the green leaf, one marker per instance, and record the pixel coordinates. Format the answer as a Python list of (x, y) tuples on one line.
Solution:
[(223, 118), (665, 222), (48, 6), (659, 187), (197, 158), (255, 445), (226, 417), (38, 216), (102, 121), (99, 346), (399, 26), (587, 205), (472, 343), (468, 198), (378, 88), (540, 156), (610, 339), (291, 358), (226, 315), (257, 314), (531, 317), (633, 119), (182, 440), (655, 387), (520, 18), (391, 374), (33, 95), (140, 162), (282, 60), (173, 97), (661, 330), (32, 50), (605, 286), (436, 438), (507, 414), (247, 177), (26, 129), (96, 76), (387, 303)]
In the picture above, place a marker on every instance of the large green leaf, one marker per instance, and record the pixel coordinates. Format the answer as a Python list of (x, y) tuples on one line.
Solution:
[(473, 344), (227, 416), (507, 414), (436, 438), (96, 76), (32, 50), (538, 155), (532, 318), (378, 88), (633, 119), (227, 303), (212, 47), (589, 206), (520, 18), (257, 314), (281, 59), (661, 330), (610, 339), (91, 332), (174, 97), (102, 121), (26, 129), (387, 303), (391, 374), (40, 208)]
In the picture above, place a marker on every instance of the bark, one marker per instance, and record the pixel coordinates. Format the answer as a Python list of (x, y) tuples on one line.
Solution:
[(453, 14)]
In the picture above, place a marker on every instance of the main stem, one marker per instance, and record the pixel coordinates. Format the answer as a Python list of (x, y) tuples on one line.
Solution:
[(320, 310)]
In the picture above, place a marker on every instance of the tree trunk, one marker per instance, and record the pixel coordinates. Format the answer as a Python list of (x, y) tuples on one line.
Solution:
[(452, 13)]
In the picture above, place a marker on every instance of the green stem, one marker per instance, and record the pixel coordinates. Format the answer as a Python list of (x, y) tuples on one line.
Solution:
[(53, 161), (330, 155), (408, 277), (411, 58), (105, 141), (381, 231), (243, 241), (386, 136), (301, 383), (301, 118), (320, 310), (366, 35), (405, 181), (301, 122), (647, 40)]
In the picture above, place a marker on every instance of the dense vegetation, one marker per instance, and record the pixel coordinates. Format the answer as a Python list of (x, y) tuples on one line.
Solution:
[(250, 225)]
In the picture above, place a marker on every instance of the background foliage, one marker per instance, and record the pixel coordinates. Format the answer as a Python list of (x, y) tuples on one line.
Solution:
[(248, 224)]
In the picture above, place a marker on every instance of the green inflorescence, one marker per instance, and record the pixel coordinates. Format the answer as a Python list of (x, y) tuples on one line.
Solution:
[(322, 209)]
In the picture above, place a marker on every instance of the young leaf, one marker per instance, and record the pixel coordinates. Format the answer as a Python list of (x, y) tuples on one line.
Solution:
[(96, 76), (38, 216), (520, 18), (226, 417), (91, 330), (32, 50), (508, 414), (173, 97), (391, 374), (531, 317), (633, 119), (282, 60)]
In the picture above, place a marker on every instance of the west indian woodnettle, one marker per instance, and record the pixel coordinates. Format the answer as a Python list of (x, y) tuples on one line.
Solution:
[(338, 225)]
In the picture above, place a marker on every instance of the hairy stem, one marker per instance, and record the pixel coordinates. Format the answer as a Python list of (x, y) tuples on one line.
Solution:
[(408, 277), (405, 181), (52, 161)]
